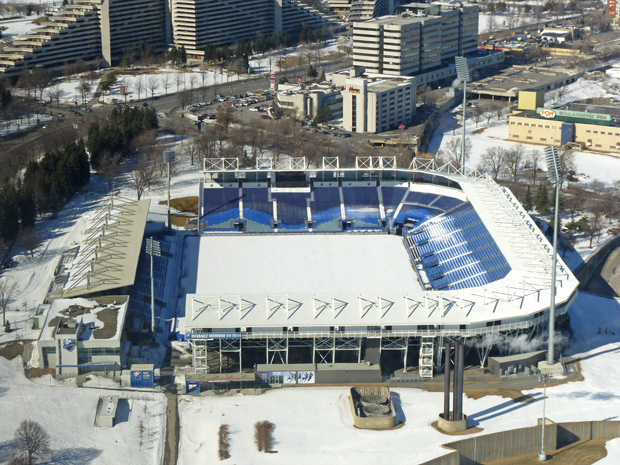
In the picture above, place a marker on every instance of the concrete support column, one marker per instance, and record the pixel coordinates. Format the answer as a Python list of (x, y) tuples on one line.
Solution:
[(446, 382)]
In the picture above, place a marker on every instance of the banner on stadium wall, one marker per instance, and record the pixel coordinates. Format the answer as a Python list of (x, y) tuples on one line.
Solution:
[(214, 336)]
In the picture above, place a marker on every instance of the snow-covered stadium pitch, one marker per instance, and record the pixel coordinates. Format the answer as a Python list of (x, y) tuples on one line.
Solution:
[(399, 255)]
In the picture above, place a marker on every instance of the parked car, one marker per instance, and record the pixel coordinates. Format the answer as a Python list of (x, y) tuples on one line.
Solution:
[(265, 116)]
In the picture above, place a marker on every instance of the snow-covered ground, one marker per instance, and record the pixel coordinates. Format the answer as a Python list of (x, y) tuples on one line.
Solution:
[(68, 414), (15, 125), (312, 423), (17, 27)]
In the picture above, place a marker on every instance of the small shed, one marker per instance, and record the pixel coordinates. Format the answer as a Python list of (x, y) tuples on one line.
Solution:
[(513, 364), (106, 411)]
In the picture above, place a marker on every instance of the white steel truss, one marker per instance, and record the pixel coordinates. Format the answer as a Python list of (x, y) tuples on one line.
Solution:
[(297, 163), (212, 165), (331, 163), (375, 163), (264, 163)]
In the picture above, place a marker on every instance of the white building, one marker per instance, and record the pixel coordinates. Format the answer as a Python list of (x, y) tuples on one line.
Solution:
[(410, 44), (84, 335), (375, 103), (308, 101)]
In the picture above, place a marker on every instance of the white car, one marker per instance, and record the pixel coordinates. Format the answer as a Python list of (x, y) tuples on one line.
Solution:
[(254, 109)]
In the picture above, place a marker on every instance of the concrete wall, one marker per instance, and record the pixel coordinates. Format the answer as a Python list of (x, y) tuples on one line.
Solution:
[(479, 449), (587, 269), (378, 423)]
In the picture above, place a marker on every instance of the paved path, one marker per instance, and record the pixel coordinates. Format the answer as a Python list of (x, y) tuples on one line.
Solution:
[(171, 446)]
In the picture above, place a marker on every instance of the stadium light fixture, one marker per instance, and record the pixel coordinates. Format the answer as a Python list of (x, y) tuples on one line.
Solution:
[(152, 248), (462, 72), (554, 171)]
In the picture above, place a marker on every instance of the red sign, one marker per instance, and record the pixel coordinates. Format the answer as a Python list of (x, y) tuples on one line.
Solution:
[(546, 113), (353, 90)]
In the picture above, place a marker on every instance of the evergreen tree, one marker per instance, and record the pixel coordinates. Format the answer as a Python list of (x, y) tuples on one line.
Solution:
[(9, 212), (541, 200), (27, 207), (528, 201), (322, 78)]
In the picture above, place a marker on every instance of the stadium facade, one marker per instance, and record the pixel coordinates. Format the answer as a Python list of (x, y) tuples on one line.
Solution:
[(104, 30), (329, 265)]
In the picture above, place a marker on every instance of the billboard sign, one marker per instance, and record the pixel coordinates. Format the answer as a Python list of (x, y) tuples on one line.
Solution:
[(574, 116), (289, 377), (197, 336), (354, 90)]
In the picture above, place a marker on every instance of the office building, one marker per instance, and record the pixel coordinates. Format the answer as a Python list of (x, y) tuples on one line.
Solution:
[(415, 41)]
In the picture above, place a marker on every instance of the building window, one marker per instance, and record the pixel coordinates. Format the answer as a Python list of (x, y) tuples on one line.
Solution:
[(47, 351)]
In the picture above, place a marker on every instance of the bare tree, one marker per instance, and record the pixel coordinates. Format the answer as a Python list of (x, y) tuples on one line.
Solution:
[(489, 112), (144, 176), (31, 441), (493, 160), (477, 114), (56, 91), (533, 160), (499, 109), (595, 221), (165, 82), (109, 166), (152, 83), (179, 78), (184, 98), (191, 150), (515, 158), (141, 430), (204, 74), (193, 80), (7, 291), (139, 85), (451, 153)]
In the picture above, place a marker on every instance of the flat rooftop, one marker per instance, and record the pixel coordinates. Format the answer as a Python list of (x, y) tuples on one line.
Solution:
[(101, 317), (508, 82), (330, 264)]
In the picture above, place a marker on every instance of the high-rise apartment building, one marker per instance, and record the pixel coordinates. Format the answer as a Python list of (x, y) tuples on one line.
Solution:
[(105, 29), (409, 44)]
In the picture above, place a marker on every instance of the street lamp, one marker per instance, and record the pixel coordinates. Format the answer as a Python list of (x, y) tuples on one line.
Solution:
[(462, 72), (542, 455), (554, 172)]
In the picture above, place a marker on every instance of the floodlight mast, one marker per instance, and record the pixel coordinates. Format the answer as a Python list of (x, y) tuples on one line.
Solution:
[(554, 171), (462, 73), (152, 248)]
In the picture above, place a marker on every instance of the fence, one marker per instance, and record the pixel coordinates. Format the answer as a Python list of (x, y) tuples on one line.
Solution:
[(480, 449)]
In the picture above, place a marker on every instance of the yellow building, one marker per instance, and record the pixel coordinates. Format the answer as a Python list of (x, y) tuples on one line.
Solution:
[(531, 130), (531, 99)]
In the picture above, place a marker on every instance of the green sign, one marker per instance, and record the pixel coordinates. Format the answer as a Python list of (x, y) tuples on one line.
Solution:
[(574, 116)]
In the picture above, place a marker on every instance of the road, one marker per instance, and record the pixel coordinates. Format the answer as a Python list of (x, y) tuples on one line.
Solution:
[(606, 278)]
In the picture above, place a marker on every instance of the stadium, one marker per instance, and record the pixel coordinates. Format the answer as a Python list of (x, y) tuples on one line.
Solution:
[(370, 266)]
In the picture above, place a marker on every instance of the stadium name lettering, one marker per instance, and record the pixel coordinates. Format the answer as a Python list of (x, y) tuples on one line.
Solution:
[(215, 336), (353, 90)]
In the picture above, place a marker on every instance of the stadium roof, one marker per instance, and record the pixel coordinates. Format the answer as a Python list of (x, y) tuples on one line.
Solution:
[(265, 285), (107, 257)]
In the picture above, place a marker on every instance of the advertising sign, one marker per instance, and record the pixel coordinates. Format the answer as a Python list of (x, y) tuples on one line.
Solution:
[(574, 116), (272, 81), (290, 377), (354, 90), (215, 336)]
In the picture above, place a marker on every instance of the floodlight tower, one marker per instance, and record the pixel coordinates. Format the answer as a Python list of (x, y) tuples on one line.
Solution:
[(554, 171), (462, 72), (169, 157), (152, 248)]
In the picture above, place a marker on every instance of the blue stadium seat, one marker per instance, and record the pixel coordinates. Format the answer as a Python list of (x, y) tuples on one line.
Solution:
[(257, 209), (221, 208), (458, 248), (292, 210), (140, 293), (325, 209), (392, 197), (361, 204)]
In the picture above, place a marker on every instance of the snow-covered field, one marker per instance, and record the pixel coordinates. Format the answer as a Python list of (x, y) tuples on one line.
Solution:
[(68, 415), (312, 424)]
